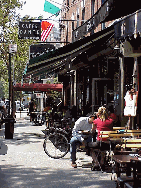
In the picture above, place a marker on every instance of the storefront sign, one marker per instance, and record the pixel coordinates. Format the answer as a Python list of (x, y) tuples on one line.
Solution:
[(39, 95), (125, 27), (94, 21), (30, 30), (40, 49), (129, 26)]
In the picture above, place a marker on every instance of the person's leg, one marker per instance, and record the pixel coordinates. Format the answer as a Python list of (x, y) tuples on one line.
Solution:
[(73, 144), (94, 145), (94, 157), (102, 161), (104, 147), (87, 141)]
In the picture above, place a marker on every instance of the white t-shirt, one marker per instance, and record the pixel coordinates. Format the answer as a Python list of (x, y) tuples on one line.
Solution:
[(130, 108), (81, 124)]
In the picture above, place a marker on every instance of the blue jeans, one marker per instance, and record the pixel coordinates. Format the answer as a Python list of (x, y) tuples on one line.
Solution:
[(74, 142)]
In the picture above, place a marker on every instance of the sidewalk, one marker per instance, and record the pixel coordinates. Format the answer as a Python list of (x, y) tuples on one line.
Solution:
[(26, 164)]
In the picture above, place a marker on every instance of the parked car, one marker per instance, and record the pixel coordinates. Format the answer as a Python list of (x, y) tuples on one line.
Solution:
[(2, 104), (3, 111), (18, 106)]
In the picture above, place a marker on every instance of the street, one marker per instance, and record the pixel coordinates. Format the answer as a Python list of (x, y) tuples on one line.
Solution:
[(27, 165)]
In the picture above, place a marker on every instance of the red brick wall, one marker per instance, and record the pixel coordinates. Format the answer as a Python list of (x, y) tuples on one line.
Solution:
[(73, 9)]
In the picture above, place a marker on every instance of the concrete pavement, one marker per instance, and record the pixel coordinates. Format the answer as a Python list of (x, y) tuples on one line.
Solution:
[(27, 166)]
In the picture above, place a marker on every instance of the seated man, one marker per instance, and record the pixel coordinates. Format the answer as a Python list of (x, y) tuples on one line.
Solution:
[(83, 123), (102, 123)]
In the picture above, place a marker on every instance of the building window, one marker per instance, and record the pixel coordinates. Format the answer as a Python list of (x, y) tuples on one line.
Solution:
[(92, 7), (83, 15), (102, 1), (77, 20), (102, 26), (67, 2), (78, 17), (82, 3), (72, 25)]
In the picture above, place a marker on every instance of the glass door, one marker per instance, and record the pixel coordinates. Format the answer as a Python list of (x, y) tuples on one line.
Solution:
[(102, 93)]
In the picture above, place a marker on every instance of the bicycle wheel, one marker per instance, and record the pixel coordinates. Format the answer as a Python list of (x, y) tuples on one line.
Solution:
[(56, 145)]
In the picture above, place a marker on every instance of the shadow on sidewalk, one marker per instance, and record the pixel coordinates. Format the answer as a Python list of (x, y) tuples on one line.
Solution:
[(24, 133), (17, 176)]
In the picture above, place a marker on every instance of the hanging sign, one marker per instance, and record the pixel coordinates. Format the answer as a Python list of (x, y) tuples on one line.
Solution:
[(30, 30), (12, 48), (40, 49), (94, 21)]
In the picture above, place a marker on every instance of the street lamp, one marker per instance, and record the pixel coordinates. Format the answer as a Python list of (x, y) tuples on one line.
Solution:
[(9, 120)]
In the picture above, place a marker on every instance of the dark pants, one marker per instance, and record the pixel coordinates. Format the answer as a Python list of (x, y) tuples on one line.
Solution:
[(101, 145)]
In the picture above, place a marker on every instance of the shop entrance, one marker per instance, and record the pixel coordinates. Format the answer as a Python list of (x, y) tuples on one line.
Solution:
[(102, 93)]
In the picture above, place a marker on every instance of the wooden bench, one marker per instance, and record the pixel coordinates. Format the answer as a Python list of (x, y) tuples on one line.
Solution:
[(126, 133), (132, 143), (128, 139), (118, 128), (106, 134)]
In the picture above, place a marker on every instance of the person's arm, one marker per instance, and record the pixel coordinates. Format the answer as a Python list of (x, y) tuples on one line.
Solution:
[(94, 126), (111, 125)]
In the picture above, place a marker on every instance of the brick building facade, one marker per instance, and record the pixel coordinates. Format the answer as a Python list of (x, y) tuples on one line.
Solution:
[(74, 13)]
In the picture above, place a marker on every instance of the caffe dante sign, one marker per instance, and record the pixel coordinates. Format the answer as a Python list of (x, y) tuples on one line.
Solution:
[(30, 30)]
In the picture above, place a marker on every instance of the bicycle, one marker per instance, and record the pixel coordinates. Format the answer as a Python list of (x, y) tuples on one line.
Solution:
[(56, 144)]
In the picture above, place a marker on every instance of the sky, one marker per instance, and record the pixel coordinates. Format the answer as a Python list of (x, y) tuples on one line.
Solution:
[(35, 8)]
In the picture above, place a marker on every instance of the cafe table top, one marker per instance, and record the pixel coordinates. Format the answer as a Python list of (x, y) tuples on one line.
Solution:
[(122, 159)]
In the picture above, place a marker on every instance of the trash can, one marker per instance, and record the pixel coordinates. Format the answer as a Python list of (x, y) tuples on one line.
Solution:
[(9, 127)]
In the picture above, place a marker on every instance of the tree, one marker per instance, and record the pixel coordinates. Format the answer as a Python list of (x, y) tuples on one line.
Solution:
[(8, 35)]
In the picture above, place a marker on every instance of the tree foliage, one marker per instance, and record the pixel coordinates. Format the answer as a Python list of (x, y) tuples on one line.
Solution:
[(9, 35)]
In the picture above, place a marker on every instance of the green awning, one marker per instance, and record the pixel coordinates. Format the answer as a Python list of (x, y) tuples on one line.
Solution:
[(57, 57)]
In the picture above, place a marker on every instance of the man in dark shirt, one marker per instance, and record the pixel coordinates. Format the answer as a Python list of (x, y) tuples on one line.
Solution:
[(31, 109)]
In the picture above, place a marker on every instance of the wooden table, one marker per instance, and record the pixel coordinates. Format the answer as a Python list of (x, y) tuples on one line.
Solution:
[(130, 162), (123, 159)]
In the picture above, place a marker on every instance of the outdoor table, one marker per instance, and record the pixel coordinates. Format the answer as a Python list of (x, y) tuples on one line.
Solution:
[(36, 117), (123, 159), (124, 152)]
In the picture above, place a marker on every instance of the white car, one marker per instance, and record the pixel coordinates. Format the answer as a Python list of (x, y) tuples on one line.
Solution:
[(18, 107), (2, 103)]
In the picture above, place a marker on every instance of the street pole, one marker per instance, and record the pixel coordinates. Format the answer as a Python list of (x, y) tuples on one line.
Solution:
[(9, 109), (9, 120)]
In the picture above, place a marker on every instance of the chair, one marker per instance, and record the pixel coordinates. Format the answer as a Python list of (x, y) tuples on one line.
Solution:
[(104, 135)]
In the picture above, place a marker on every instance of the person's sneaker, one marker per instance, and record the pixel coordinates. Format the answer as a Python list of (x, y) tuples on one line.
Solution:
[(74, 165)]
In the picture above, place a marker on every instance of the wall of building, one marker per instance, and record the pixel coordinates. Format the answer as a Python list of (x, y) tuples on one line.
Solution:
[(80, 11), (74, 12), (54, 37)]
